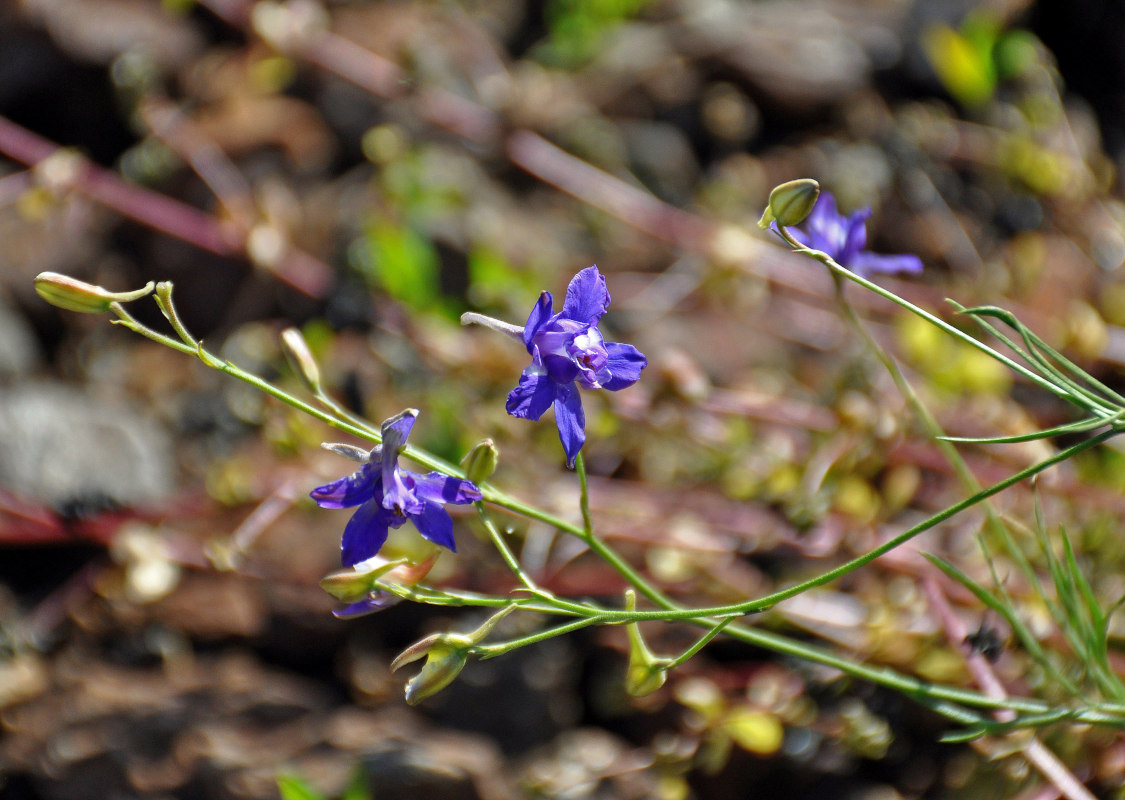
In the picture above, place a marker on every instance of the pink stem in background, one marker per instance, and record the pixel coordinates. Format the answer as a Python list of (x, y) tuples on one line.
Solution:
[(161, 213), (181, 135), (1042, 758), (556, 167)]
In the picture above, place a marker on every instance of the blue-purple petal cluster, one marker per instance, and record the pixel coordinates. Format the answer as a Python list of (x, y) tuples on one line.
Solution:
[(388, 496), (567, 351), (844, 239)]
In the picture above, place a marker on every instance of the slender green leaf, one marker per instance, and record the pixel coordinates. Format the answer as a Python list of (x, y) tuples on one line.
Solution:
[(1072, 427), (1022, 632)]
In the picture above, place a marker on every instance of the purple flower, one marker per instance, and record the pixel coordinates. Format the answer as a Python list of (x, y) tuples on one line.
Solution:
[(567, 351), (843, 238), (388, 496)]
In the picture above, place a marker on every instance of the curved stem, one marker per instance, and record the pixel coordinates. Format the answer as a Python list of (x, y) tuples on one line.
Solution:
[(842, 271), (486, 651), (946, 700), (127, 320)]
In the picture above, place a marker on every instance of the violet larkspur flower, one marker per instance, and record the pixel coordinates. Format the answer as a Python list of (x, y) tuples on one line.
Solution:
[(567, 351), (388, 496), (843, 238)]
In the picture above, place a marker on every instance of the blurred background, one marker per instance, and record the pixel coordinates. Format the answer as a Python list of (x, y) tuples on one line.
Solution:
[(367, 171)]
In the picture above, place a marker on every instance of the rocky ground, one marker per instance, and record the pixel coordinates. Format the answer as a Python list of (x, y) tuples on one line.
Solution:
[(370, 170)]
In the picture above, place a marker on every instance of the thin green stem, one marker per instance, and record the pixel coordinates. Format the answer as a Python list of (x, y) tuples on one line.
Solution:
[(127, 320), (584, 495), (163, 299), (506, 554), (487, 651), (607, 553), (513, 564), (762, 603), (933, 428), (328, 402), (947, 700), (837, 269), (700, 644)]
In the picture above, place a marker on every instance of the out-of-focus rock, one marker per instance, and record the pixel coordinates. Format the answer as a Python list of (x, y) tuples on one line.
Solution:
[(19, 351), (101, 30), (63, 447)]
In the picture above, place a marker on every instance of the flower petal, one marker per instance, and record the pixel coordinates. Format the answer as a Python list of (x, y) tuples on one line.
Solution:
[(438, 488), (570, 420), (376, 601), (533, 395), (359, 487), (823, 218), (540, 316), (872, 263), (395, 432), (365, 533), (587, 297), (625, 364), (434, 524), (855, 236), (560, 369)]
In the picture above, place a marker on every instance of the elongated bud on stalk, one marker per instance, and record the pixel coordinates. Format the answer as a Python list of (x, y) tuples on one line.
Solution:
[(353, 453), (300, 358), (72, 294), (506, 328), (480, 462), (790, 203)]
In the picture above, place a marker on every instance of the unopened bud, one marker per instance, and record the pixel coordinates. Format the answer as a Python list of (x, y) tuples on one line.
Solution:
[(300, 358), (66, 292), (446, 655), (790, 203), (353, 453), (351, 585), (646, 672), (480, 462)]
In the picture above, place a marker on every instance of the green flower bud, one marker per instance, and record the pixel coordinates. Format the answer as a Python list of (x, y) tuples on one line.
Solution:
[(351, 585), (646, 672), (446, 655), (66, 292), (480, 462), (300, 358), (790, 203)]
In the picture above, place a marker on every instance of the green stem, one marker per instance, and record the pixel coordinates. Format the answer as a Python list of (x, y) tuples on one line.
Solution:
[(933, 428), (762, 603), (517, 569), (346, 415), (607, 553), (509, 558), (837, 269), (703, 641), (500, 648), (584, 495), (939, 697), (126, 320)]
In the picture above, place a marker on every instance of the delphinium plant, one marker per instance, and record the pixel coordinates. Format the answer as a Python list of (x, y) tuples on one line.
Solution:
[(569, 356)]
